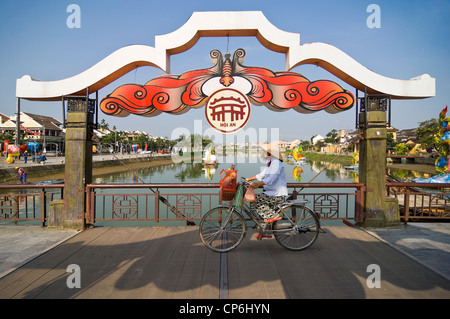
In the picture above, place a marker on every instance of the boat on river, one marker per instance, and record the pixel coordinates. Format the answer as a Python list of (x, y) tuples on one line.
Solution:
[(210, 159)]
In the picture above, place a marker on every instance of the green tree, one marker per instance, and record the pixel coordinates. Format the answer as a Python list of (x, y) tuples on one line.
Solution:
[(195, 141), (331, 136), (108, 139), (427, 134), (151, 146), (401, 149), (6, 136), (306, 145), (159, 143), (319, 145), (103, 124), (141, 140), (390, 143)]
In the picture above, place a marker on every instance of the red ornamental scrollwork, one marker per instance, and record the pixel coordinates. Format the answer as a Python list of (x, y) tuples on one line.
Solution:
[(279, 91)]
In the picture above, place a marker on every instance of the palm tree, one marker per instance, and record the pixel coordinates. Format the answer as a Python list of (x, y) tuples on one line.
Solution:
[(103, 124)]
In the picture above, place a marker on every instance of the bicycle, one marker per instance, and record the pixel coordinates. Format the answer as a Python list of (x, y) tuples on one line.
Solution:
[(223, 228)]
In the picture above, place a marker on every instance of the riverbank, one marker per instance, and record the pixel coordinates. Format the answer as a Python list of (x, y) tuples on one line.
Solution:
[(347, 160), (338, 159), (53, 169), (423, 168)]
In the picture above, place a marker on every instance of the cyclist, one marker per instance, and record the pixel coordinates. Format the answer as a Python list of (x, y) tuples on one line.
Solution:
[(273, 180)]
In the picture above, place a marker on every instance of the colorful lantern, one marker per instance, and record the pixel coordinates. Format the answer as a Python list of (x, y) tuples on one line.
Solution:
[(442, 163), (33, 146), (296, 154), (297, 174), (355, 159), (445, 139), (13, 150)]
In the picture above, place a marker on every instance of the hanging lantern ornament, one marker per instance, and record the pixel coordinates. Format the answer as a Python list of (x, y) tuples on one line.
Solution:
[(296, 154), (443, 138)]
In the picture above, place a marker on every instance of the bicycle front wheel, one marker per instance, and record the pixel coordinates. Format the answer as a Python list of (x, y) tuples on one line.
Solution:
[(298, 229), (222, 229)]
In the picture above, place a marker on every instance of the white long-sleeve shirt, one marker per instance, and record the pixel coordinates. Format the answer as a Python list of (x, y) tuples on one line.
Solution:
[(274, 178)]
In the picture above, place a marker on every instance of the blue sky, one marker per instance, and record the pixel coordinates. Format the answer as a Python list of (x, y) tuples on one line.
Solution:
[(413, 40)]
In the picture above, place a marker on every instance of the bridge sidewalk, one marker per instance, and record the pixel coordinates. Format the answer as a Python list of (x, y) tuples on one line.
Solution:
[(172, 263)]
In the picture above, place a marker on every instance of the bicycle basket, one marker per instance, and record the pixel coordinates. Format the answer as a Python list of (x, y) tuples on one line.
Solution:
[(228, 184), (239, 197)]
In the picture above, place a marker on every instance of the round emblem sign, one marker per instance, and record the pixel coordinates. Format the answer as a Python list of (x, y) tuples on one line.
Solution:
[(227, 110)]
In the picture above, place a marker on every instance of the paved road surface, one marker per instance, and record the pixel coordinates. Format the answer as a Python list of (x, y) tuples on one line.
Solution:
[(172, 263)]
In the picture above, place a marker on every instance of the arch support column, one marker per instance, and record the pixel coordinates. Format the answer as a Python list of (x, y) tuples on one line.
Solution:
[(78, 160), (372, 159)]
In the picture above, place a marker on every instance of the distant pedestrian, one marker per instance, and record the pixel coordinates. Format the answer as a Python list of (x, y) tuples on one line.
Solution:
[(22, 175)]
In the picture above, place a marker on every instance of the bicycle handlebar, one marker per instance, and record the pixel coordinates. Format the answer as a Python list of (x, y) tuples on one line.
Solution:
[(244, 181)]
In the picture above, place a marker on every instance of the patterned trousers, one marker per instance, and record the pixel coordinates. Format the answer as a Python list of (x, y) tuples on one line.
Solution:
[(265, 205)]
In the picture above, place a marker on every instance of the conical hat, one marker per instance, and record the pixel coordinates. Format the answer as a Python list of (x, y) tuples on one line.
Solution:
[(274, 149)]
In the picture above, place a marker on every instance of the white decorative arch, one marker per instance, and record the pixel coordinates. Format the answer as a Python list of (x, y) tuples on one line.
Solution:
[(216, 24)]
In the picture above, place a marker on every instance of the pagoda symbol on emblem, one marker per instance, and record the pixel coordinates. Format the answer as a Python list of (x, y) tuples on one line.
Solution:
[(227, 110)]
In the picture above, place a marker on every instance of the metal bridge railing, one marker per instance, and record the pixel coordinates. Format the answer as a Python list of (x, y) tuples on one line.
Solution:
[(28, 202), (139, 202), (421, 201)]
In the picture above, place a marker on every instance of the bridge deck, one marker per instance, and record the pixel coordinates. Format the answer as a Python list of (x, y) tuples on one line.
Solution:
[(172, 263)]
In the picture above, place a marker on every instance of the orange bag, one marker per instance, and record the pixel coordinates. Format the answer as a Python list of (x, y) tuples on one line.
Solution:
[(250, 195), (228, 184)]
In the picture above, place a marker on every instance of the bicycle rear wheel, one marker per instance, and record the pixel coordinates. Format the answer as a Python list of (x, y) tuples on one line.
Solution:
[(298, 229), (222, 229)]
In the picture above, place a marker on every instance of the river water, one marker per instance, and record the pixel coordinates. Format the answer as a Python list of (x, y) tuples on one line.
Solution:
[(246, 166)]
